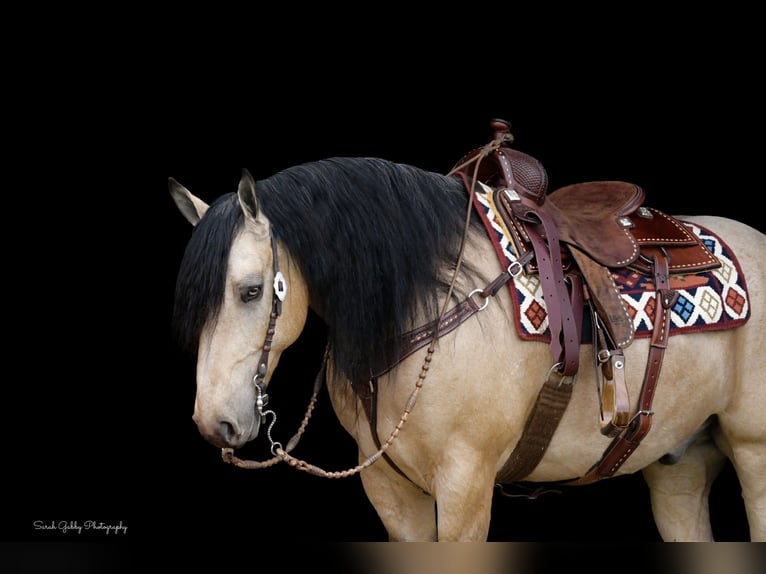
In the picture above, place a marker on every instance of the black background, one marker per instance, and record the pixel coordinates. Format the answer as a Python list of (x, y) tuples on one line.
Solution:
[(98, 420)]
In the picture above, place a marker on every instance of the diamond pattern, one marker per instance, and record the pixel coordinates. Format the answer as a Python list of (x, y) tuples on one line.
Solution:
[(719, 302)]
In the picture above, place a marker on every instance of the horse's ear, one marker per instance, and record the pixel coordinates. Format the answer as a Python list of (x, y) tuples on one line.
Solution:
[(246, 194), (190, 206), (248, 200)]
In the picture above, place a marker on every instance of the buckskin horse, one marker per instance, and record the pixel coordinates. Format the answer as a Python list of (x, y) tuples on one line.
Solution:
[(482, 331)]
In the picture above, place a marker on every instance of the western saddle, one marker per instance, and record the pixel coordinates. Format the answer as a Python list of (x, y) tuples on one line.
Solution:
[(571, 238)]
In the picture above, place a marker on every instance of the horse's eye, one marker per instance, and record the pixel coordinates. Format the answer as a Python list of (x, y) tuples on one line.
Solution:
[(251, 292)]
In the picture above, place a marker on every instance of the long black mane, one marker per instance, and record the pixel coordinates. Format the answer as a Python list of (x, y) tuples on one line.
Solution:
[(372, 238)]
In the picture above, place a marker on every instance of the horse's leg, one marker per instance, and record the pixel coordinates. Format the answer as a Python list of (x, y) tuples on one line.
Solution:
[(749, 463), (407, 513), (748, 456), (679, 491), (464, 489)]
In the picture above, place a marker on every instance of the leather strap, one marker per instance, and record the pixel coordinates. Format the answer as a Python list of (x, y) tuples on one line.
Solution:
[(628, 441), (609, 361), (564, 329), (546, 414), (605, 297), (276, 311), (609, 367), (420, 337), (369, 401), (542, 422)]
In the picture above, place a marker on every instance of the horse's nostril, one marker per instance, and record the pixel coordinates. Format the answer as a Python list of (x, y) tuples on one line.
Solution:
[(227, 432)]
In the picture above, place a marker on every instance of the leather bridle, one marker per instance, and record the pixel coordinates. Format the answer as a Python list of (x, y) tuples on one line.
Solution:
[(259, 379), (280, 291)]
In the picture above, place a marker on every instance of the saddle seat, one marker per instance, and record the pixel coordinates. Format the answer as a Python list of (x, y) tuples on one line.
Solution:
[(593, 216)]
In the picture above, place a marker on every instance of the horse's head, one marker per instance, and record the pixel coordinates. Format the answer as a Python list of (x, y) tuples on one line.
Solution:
[(242, 311)]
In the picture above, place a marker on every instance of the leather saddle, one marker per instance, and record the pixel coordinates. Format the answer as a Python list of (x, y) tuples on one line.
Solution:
[(570, 239), (597, 225)]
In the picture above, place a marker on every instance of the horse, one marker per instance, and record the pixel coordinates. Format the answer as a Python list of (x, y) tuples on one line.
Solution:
[(379, 250)]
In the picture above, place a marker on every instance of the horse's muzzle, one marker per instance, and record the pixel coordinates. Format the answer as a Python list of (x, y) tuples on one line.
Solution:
[(225, 433)]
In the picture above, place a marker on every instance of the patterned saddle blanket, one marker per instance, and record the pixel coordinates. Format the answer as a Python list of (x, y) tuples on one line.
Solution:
[(710, 300)]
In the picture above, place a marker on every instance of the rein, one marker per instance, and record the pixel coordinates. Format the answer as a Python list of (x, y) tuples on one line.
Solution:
[(467, 308)]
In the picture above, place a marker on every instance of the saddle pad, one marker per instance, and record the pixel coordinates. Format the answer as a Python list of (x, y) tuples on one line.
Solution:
[(713, 300)]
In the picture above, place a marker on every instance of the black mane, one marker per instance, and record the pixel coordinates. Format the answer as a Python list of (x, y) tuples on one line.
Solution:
[(202, 274), (372, 238)]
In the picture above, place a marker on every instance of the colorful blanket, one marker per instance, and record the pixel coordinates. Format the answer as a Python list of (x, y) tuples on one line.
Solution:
[(713, 300)]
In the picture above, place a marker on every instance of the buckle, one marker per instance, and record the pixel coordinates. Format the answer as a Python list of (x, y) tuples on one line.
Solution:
[(562, 378)]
